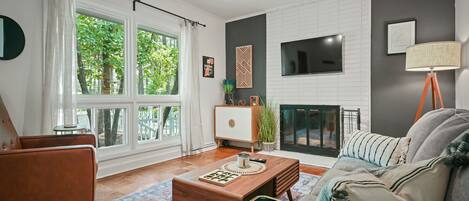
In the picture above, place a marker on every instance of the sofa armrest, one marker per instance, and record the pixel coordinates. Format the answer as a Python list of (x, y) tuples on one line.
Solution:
[(54, 173), (28, 142)]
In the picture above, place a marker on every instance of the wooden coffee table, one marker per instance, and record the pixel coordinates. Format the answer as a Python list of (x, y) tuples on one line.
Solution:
[(280, 176)]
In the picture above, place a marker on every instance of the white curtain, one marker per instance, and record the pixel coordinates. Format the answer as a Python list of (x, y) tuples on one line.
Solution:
[(59, 65), (192, 135)]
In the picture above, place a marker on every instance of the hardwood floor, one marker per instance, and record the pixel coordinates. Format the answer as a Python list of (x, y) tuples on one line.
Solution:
[(116, 186)]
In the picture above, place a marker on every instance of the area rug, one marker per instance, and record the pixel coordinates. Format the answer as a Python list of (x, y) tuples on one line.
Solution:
[(162, 191)]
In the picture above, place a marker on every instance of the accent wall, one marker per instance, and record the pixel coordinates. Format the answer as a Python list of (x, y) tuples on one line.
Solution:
[(249, 31), (395, 93)]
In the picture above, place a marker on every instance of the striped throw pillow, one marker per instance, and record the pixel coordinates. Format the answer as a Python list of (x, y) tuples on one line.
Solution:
[(377, 149)]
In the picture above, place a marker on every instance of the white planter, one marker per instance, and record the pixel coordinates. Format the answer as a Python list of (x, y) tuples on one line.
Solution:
[(268, 146)]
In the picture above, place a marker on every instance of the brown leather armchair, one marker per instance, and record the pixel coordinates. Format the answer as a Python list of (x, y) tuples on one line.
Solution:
[(45, 167)]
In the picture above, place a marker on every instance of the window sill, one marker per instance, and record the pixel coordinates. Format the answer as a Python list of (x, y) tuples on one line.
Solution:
[(140, 150)]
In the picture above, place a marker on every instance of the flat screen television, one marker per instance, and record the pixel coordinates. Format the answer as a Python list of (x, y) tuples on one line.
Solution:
[(311, 56)]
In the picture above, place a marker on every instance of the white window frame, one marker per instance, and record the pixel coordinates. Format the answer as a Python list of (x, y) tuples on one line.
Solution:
[(114, 16), (149, 144), (115, 150), (130, 99)]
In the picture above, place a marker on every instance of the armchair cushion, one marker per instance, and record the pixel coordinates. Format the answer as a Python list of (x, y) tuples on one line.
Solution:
[(8, 136), (54, 173)]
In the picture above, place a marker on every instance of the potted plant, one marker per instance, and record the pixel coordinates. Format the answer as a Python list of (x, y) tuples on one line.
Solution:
[(228, 88), (267, 124)]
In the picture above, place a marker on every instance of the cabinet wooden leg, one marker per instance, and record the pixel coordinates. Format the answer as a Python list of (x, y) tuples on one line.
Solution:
[(252, 148), (290, 197), (219, 143)]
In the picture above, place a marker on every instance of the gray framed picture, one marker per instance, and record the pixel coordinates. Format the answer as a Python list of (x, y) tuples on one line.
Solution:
[(400, 35)]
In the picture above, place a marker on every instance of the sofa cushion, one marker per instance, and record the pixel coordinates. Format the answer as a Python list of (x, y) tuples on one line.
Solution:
[(349, 164), (377, 149), (423, 127), (442, 135)]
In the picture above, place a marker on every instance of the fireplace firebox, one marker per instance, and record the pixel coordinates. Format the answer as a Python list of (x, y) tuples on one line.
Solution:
[(313, 129)]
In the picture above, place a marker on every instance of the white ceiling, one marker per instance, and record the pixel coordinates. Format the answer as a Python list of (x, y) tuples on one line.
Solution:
[(232, 9)]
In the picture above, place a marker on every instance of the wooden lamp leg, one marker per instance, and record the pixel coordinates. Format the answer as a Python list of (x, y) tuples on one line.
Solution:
[(422, 97), (437, 98)]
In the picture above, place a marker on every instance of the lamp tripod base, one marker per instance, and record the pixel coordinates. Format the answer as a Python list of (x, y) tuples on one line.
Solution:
[(437, 98)]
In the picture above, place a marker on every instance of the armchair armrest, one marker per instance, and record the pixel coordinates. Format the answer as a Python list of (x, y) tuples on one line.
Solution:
[(54, 173), (28, 142)]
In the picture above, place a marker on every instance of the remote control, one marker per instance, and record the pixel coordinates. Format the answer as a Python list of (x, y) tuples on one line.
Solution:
[(258, 160)]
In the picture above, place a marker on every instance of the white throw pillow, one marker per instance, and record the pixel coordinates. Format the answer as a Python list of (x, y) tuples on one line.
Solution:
[(377, 149)]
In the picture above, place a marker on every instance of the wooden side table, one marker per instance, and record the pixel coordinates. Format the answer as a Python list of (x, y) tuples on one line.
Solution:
[(66, 130)]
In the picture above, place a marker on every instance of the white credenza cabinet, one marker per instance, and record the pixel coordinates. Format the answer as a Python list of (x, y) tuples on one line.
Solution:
[(236, 123)]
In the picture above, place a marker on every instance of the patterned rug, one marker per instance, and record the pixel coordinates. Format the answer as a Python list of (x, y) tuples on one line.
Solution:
[(162, 191)]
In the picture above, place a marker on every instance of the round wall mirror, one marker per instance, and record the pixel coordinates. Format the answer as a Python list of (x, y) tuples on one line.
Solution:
[(11, 38)]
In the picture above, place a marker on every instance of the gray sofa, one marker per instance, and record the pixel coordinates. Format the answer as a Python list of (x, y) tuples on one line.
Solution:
[(429, 138)]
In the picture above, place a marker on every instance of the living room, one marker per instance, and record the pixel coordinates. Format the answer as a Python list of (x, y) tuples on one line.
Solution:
[(234, 100)]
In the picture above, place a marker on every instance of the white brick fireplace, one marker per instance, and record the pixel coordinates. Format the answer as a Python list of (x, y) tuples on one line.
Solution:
[(349, 89)]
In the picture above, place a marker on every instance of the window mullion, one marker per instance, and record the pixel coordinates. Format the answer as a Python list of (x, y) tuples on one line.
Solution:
[(160, 123)]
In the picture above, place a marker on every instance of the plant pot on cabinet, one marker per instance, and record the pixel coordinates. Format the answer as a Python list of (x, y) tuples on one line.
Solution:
[(229, 99), (268, 146)]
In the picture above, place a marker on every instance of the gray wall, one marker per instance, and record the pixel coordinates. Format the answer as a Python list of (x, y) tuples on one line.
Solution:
[(395, 93), (249, 31)]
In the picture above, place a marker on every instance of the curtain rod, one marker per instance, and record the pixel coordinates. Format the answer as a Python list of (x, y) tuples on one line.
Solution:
[(165, 11)]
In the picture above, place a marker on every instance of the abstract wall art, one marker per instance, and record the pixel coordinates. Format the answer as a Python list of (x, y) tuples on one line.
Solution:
[(244, 67)]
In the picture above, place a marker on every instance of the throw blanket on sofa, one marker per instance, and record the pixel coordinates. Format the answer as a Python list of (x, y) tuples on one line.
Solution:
[(394, 183)]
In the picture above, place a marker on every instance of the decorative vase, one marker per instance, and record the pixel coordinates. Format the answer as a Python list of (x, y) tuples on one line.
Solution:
[(268, 146), (229, 99)]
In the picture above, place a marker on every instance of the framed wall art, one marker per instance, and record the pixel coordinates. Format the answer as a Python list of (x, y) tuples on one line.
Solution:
[(400, 35), (208, 67), (254, 100), (12, 39), (244, 67)]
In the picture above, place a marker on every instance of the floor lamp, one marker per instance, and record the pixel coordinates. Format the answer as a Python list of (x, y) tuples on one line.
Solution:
[(432, 57)]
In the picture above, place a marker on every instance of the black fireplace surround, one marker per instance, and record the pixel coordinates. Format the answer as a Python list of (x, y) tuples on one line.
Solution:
[(312, 129)]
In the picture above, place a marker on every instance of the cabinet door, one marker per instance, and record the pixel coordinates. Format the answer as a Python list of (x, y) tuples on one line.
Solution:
[(233, 123)]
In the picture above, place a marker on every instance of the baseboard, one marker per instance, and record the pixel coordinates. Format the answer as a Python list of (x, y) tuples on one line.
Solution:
[(307, 159), (124, 164), (243, 145), (209, 147)]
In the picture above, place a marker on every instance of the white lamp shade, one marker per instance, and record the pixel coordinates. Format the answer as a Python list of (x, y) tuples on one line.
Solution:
[(436, 56)]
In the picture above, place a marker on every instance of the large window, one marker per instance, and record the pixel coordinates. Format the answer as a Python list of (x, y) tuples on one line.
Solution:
[(157, 63), (158, 123), (100, 56), (129, 101), (109, 124)]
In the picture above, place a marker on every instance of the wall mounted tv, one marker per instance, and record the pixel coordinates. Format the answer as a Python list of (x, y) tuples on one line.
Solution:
[(311, 56)]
